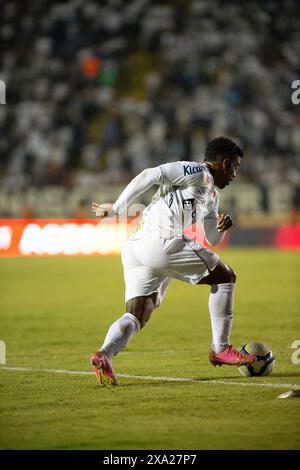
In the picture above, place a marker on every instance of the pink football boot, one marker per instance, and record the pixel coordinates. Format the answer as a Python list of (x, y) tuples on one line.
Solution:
[(231, 356), (103, 369)]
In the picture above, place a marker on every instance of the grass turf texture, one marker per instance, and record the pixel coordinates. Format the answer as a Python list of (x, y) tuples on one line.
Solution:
[(56, 311)]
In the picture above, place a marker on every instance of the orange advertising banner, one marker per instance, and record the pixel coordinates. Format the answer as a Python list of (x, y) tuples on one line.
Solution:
[(32, 237), (62, 236)]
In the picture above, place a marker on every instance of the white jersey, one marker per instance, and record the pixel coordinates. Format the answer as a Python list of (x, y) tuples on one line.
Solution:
[(186, 195)]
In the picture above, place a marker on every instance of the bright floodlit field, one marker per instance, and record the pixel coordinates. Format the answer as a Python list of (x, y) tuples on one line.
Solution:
[(56, 311)]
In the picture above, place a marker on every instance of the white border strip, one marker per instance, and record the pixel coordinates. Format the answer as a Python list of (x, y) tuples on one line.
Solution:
[(161, 379)]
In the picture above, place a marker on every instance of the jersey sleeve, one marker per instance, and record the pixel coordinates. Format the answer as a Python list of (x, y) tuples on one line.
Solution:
[(140, 184)]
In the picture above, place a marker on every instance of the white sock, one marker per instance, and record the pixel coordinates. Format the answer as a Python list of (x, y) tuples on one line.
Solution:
[(221, 315), (119, 334)]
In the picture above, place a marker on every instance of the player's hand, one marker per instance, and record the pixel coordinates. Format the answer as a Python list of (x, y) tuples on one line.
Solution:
[(102, 210), (224, 222)]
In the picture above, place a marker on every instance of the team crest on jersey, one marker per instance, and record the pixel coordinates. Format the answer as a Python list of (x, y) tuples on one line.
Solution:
[(188, 204)]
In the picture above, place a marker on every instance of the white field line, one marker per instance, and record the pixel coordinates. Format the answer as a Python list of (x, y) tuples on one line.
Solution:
[(160, 379)]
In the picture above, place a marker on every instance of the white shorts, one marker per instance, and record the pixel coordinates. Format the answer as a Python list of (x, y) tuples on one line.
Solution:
[(150, 264)]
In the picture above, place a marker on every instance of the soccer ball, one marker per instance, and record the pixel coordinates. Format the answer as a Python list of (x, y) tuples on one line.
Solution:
[(265, 360)]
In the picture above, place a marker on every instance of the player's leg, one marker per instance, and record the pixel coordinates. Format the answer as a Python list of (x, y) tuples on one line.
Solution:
[(138, 312), (221, 299), (117, 337), (195, 264), (144, 291), (222, 281), (142, 307)]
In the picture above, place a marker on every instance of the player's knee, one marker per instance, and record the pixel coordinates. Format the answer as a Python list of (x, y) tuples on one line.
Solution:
[(228, 275), (231, 275)]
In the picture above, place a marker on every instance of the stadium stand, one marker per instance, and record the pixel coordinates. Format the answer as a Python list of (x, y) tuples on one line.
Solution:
[(97, 91)]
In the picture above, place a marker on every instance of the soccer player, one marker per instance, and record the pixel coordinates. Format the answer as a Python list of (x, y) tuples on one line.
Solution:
[(159, 250)]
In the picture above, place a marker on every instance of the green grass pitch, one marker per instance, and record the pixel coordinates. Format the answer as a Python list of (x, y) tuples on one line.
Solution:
[(55, 311)]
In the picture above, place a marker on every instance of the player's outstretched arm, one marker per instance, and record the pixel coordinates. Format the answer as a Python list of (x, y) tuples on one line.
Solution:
[(103, 210), (141, 183)]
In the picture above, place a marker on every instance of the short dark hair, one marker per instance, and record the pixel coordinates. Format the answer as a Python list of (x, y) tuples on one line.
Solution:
[(222, 147)]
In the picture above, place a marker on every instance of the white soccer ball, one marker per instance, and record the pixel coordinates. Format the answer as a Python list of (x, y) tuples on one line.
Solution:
[(265, 360)]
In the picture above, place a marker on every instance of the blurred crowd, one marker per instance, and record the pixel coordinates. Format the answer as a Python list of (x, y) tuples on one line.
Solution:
[(97, 91)]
